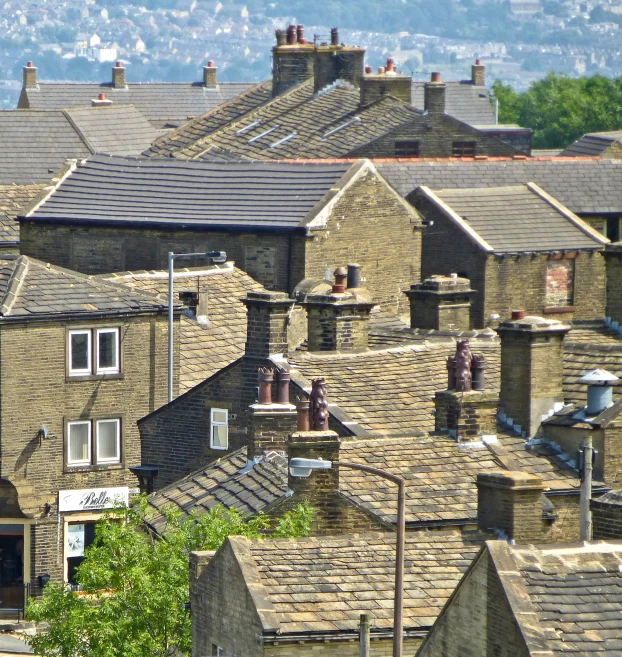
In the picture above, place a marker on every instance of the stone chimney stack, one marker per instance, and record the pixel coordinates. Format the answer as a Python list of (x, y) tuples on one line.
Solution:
[(388, 82), (209, 75), (441, 303), (267, 323), (434, 95), (532, 350), (478, 73), (338, 320), (29, 75), (511, 503), (292, 59), (118, 76)]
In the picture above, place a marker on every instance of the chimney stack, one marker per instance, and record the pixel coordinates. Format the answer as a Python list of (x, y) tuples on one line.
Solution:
[(209, 75), (511, 503), (441, 303), (386, 82), (338, 320), (118, 76), (434, 95), (337, 62), (532, 350), (267, 323), (29, 75), (478, 74), (292, 59), (101, 101)]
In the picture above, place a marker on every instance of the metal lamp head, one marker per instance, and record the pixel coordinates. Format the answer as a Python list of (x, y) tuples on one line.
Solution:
[(218, 257), (302, 467)]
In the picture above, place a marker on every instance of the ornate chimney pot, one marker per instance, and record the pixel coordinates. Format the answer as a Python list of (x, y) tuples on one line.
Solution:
[(319, 405), (266, 377)]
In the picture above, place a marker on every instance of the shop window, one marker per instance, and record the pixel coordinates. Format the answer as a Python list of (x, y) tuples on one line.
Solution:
[(79, 536), (559, 283), (219, 429), (463, 148), (93, 442), (94, 351)]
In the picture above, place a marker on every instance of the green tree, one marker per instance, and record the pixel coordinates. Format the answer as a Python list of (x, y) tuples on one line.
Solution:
[(134, 584)]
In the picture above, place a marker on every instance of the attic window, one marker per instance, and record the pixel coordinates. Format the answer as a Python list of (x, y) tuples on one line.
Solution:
[(407, 148), (254, 124), (463, 148), (356, 119), (263, 134), (282, 141)]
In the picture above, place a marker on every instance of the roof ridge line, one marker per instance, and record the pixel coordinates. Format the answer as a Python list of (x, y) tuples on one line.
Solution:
[(79, 132), (15, 284)]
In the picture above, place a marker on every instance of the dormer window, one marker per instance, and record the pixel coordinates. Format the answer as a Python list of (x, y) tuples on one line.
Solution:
[(93, 351)]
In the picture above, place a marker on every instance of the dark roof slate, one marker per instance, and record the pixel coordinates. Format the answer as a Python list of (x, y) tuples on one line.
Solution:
[(162, 103), (582, 185), (15, 200), (594, 143), (165, 191), (30, 288), (517, 219)]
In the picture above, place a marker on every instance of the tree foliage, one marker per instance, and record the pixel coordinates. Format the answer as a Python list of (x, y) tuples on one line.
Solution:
[(560, 109), (133, 584)]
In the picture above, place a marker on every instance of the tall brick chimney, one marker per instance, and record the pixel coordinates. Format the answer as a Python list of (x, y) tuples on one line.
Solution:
[(434, 95), (478, 73), (30, 75), (441, 303), (292, 59), (209, 75), (531, 369), (118, 76), (267, 323), (338, 320), (512, 503)]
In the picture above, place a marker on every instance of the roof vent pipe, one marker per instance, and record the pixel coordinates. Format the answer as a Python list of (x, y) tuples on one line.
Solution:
[(341, 273), (354, 275), (599, 390)]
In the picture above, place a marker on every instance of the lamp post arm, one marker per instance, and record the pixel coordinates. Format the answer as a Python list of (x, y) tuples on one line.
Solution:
[(398, 601)]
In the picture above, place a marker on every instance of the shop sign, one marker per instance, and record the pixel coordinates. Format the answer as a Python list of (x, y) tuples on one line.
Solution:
[(91, 499)]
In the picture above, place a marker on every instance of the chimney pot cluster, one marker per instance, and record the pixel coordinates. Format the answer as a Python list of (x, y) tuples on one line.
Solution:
[(266, 378)]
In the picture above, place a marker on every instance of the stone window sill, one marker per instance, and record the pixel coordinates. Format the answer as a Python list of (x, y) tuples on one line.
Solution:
[(76, 469), (559, 310), (95, 377)]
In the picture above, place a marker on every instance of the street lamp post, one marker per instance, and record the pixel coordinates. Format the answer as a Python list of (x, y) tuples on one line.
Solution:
[(218, 257), (300, 467)]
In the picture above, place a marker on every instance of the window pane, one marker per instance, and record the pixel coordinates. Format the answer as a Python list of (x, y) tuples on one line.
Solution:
[(107, 440), (219, 435), (79, 443), (80, 351), (219, 416), (107, 349)]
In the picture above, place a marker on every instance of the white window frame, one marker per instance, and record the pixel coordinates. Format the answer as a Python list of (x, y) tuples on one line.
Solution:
[(71, 463), (88, 333), (107, 370), (98, 459), (214, 423)]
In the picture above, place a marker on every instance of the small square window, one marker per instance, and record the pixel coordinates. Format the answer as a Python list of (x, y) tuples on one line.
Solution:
[(463, 148), (79, 443), (80, 352), (407, 148), (219, 429), (107, 351), (108, 441)]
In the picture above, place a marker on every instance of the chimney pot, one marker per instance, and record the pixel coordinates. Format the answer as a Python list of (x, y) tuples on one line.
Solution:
[(369, 69), (518, 314), (266, 377), (211, 62), (334, 36), (302, 410), (478, 62), (281, 37), (435, 77), (354, 275), (102, 96), (119, 64), (282, 386), (340, 275), (29, 64), (381, 70), (291, 35), (300, 33), (390, 65)]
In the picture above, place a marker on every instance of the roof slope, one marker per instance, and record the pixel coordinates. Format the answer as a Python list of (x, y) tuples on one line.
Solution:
[(514, 219), (161, 103), (593, 143), (337, 578), (463, 100), (575, 591), (299, 124), (166, 191), (14, 200), (118, 129), (583, 186), (30, 288), (204, 348)]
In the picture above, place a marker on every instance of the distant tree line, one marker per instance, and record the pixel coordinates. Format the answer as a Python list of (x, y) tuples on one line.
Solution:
[(559, 109)]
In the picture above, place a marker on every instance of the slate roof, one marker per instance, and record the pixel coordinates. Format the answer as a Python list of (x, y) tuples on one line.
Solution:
[(30, 288), (463, 100), (324, 584), (594, 143), (36, 144), (302, 124), (574, 590), (15, 200), (161, 103), (204, 348), (164, 191), (514, 219), (585, 186)]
